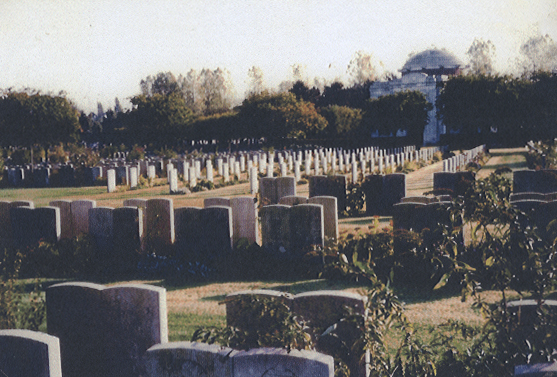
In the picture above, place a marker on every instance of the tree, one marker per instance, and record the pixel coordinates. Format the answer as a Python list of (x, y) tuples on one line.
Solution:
[(37, 119), (341, 120), (297, 73), (279, 115), (304, 93), (403, 111), (362, 68), (482, 56), (216, 89), (480, 106), (159, 119), (256, 83), (163, 83), (538, 53)]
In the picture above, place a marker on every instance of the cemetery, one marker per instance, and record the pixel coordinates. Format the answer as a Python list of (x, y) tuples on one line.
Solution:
[(277, 216)]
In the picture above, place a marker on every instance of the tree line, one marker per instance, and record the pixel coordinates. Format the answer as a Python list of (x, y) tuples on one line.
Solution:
[(170, 110)]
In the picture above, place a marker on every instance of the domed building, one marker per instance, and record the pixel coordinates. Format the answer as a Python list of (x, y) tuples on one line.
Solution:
[(422, 72)]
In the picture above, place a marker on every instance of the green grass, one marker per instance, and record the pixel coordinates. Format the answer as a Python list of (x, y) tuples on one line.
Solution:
[(42, 196), (181, 326)]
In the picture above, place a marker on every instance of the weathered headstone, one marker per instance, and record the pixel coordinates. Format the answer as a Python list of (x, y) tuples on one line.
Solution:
[(80, 215), (127, 231), (275, 362), (293, 200), (66, 227), (104, 331), (160, 222), (188, 241), (101, 227), (244, 219), (188, 359), (25, 353), (330, 214), (215, 225), (268, 191), (111, 180), (217, 201), (275, 228), (323, 185), (306, 227), (285, 186)]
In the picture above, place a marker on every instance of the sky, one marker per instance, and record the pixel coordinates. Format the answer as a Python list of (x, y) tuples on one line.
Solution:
[(97, 50)]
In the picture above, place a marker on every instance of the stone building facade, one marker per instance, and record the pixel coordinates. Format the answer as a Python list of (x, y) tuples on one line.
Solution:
[(422, 72)]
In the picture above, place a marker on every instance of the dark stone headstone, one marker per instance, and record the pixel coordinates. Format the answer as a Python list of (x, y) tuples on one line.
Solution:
[(322, 185), (275, 228), (215, 225), (188, 235), (306, 227), (373, 192)]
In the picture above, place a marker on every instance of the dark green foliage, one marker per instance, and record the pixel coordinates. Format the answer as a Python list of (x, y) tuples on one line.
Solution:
[(270, 323)]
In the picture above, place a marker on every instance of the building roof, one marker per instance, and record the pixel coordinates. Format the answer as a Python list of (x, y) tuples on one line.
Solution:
[(433, 61)]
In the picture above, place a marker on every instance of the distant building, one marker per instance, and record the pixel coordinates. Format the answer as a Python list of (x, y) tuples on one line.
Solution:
[(422, 72)]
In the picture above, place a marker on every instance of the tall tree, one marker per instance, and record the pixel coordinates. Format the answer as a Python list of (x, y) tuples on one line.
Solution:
[(342, 121), (279, 115), (362, 68), (159, 119), (216, 90), (37, 119), (256, 83), (482, 57), (163, 83), (538, 53), (304, 93)]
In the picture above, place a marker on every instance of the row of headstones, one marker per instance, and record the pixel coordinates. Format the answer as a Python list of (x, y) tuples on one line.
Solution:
[(97, 331), (459, 162), (320, 311), (40, 175), (212, 230)]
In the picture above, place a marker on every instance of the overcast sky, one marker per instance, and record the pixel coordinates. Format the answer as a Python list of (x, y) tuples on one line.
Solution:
[(101, 49)]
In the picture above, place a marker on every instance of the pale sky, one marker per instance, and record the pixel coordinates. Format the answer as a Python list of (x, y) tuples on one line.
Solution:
[(96, 50)]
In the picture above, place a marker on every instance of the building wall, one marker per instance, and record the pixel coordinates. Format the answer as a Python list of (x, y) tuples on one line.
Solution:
[(415, 81)]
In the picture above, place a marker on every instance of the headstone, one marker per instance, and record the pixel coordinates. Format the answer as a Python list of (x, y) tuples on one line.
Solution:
[(104, 331), (173, 181), (48, 223), (212, 202), (275, 362), (111, 180), (285, 186), (236, 313), (142, 205), (24, 226), (80, 215), (306, 227), (188, 236), (330, 214), (65, 217), (268, 191), (127, 232), (244, 218), (215, 225), (188, 359), (373, 192), (292, 200), (101, 227), (394, 189), (323, 185), (134, 177), (25, 353), (160, 222), (275, 228)]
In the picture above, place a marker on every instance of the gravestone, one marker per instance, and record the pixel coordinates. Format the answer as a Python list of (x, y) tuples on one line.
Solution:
[(134, 177), (101, 227), (173, 181), (275, 228), (330, 214), (323, 185), (409, 216), (268, 191), (66, 226), (306, 227), (211, 202), (142, 205), (127, 234), (275, 362), (215, 226), (394, 189), (122, 175), (48, 223), (188, 241), (160, 222), (244, 219), (25, 353), (111, 180), (323, 309), (80, 215), (373, 192), (188, 359), (285, 186), (24, 226), (293, 200), (104, 331)]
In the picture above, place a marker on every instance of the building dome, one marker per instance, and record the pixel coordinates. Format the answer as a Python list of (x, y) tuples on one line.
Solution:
[(433, 62)]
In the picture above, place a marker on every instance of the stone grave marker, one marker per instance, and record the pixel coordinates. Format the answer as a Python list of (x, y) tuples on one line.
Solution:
[(217, 201), (306, 227), (188, 359), (292, 200), (66, 227), (244, 218), (188, 236), (80, 215), (160, 222), (330, 214), (275, 228), (25, 353), (215, 226), (104, 331)]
